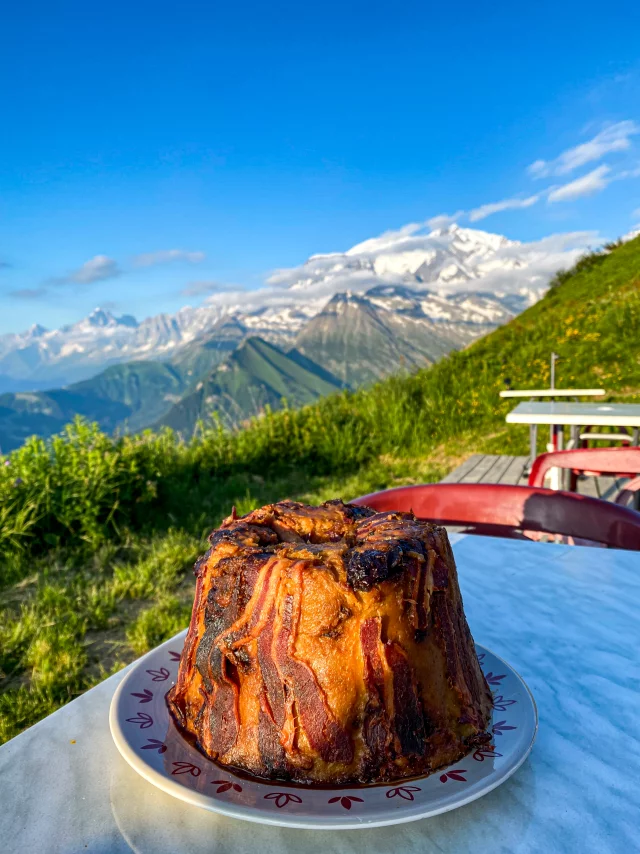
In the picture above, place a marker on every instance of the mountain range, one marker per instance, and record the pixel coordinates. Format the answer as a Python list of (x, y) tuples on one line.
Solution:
[(342, 320), (443, 263)]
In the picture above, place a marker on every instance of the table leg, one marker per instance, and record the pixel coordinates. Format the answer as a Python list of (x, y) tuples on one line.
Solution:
[(533, 443), (636, 434), (556, 475), (575, 436)]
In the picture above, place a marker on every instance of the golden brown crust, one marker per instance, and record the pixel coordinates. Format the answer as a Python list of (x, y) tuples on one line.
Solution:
[(329, 645)]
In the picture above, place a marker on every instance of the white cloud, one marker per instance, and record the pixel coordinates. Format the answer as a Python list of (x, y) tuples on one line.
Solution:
[(627, 173), (508, 267), (166, 256), (387, 238), (28, 293), (505, 205), (592, 182), (631, 235), (95, 270), (554, 244), (196, 289), (444, 220), (616, 137)]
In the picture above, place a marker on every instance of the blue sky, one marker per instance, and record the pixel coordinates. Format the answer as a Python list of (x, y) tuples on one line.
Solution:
[(219, 143)]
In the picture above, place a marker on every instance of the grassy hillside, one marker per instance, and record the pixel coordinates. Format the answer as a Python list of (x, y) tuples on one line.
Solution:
[(97, 535)]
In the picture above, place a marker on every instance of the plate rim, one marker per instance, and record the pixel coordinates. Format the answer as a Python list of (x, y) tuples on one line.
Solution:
[(351, 822)]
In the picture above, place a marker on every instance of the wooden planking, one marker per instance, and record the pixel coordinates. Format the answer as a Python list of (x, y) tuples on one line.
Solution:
[(463, 469), (515, 473), (503, 468), (489, 468), (500, 467), (481, 471), (603, 486), (587, 486)]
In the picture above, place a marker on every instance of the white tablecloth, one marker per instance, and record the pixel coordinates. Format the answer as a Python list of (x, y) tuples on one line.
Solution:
[(566, 618)]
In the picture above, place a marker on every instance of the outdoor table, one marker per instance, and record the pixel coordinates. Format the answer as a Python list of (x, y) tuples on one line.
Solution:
[(554, 392), (575, 415), (565, 617)]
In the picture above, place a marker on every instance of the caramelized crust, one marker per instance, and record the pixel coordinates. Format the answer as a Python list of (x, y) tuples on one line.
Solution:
[(329, 645)]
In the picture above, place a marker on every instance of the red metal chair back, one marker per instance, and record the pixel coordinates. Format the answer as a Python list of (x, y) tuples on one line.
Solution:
[(507, 511), (629, 494), (620, 461)]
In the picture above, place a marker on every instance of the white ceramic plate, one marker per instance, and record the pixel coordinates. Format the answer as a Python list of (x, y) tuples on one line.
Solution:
[(147, 738)]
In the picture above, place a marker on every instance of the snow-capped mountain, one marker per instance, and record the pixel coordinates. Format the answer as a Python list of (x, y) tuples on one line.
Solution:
[(44, 358), (361, 338), (461, 281), (446, 260)]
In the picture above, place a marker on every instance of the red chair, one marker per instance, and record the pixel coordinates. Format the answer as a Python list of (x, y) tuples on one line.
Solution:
[(508, 511), (629, 495), (623, 462)]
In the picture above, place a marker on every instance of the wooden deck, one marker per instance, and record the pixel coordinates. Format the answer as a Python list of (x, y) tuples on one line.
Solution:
[(502, 468), (490, 468)]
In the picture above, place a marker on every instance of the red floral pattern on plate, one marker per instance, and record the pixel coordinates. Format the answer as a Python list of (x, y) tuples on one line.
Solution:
[(456, 774), (500, 704), (225, 785), (142, 719), (486, 752), (283, 798), (345, 801), (154, 744), (500, 727), (405, 792), (186, 768), (160, 675)]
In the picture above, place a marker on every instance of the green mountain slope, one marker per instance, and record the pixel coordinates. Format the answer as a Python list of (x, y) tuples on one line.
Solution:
[(128, 396), (205, 353), (256, 375)]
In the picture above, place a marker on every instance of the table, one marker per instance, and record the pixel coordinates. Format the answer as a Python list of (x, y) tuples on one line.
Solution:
[(554, 392), (565, 617), (576, 415), (549, 393)]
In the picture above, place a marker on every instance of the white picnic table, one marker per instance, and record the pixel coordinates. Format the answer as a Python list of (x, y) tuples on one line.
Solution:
[(559, 414), (537, 393), (554, 392), (565, 617)]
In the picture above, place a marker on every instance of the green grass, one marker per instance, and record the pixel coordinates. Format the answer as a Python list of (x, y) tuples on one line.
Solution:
[(97, 535)]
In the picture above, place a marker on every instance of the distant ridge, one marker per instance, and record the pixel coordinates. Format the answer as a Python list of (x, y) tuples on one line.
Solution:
[(435, 267), (256, 375)]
